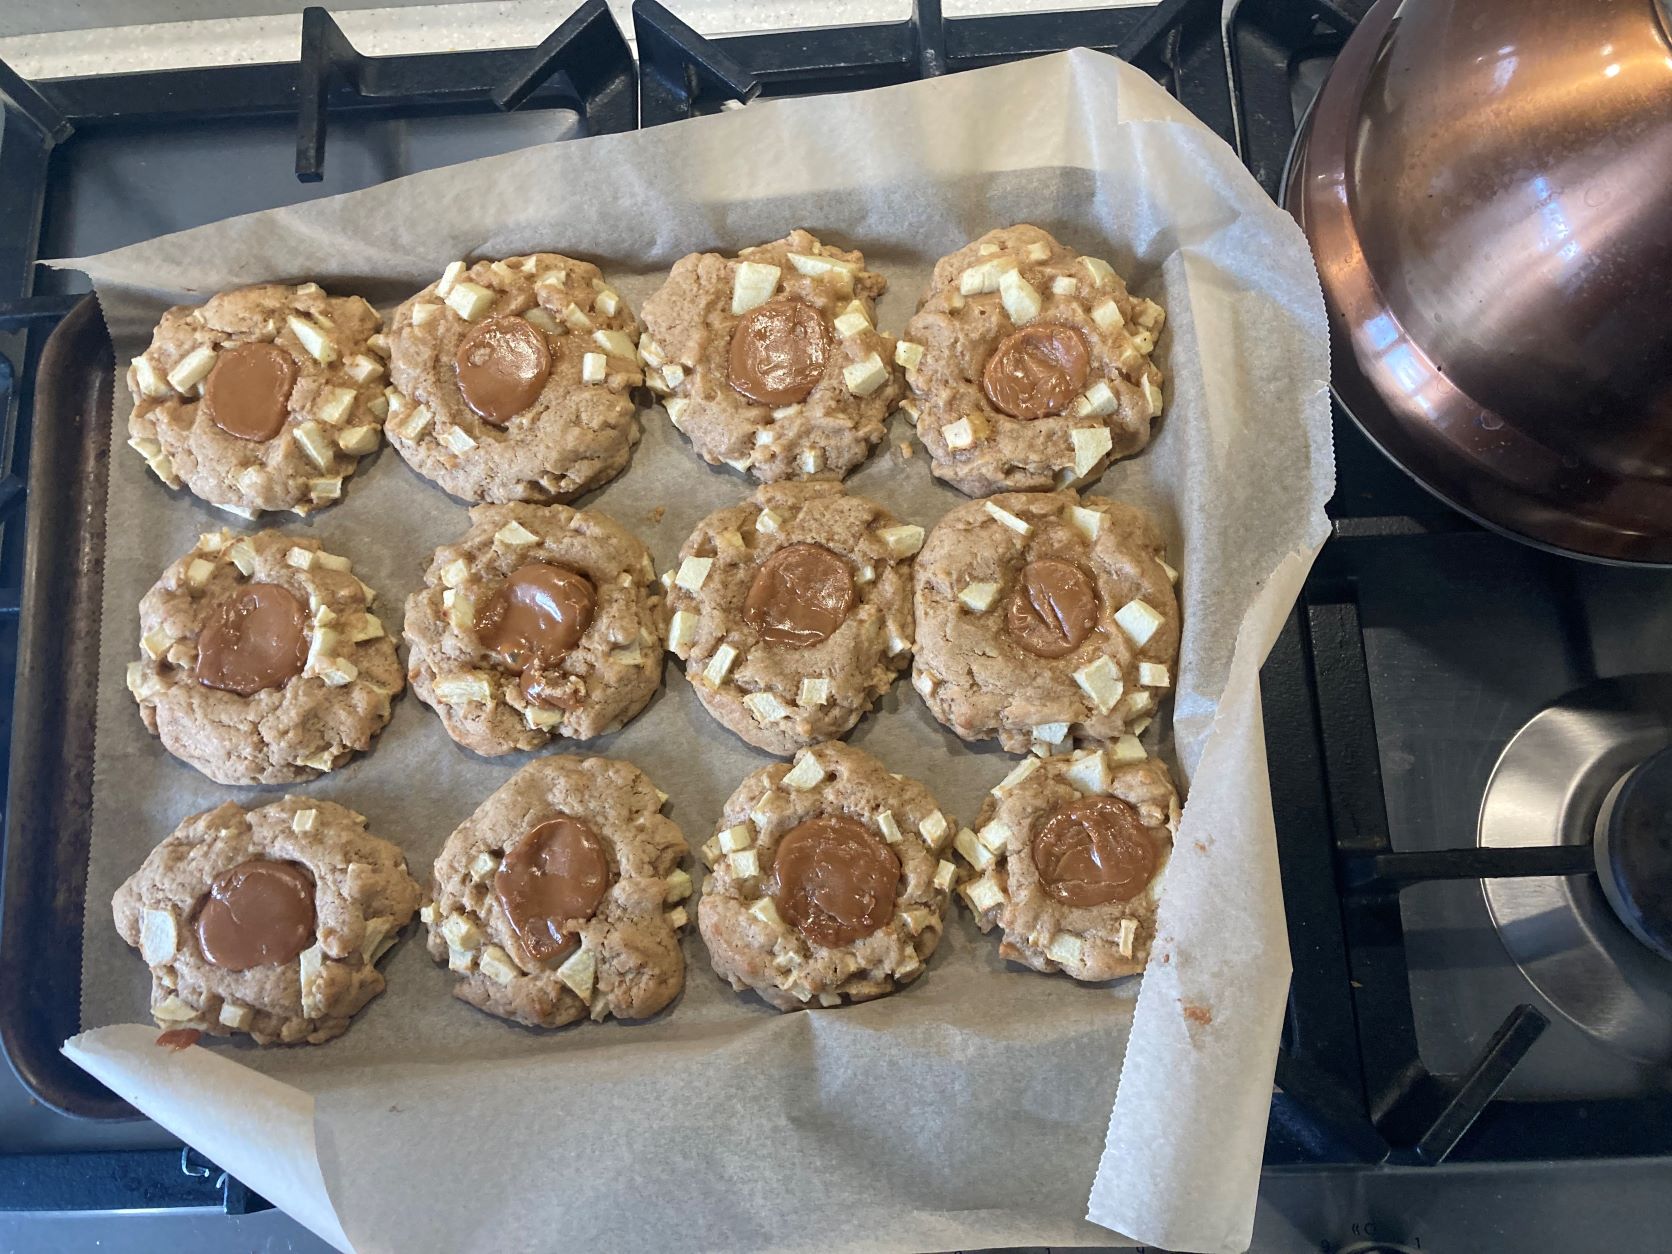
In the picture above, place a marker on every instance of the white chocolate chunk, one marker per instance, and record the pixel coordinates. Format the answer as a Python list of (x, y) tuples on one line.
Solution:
[(513, 535), (359, 440), (579, 973), (813, 265), (972, 850), (851, 321), (615, 344), (1149, 315), (984, 894), (316, 444), (946, 874), (1102, 274), (995, 836), (496, 964), (542, 318), (414, 424), (811, 461), (424, 313), (933, 829), (765, 706), (753, 285), (865, 574), (242, 555), (1089, 772), (172, 1010), (1101, 682), (1066, 949), (471, 300), (958, 435), (236, 1017), (1019, 297), (987, 250), (673, 374), (865, 377), (1051, 733), (1126, 749), (682, 632), (1138, 620), (735, 839), (192, 369), (362, 369), (314, 341), (594, 368), (1152, 394), (1020, 526), (1090, 444), (1128, 934), (678, 886), (1140, 702), (454, 573), (719, 666), (198, 572), (300, 558), (484, 866), (1154, 675), (907, 354), (159, 936), (978, 597), (746, 864), (903, 541), (460, 932), (766, 910), (693, 573), (814, 692), (470, 687), (1106, 314), (1064, 285), (575, 319), (459, 440), (677, 918), (608, 304), (304, 821), (806, 773), (1088, 522), (150, 383), (336, 402), (311, 967), (338, 671), (984, 276), (889, 827), (451, 275), (1097, 401)]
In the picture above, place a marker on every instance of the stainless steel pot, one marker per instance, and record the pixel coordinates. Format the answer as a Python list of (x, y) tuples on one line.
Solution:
[(1487, 186)]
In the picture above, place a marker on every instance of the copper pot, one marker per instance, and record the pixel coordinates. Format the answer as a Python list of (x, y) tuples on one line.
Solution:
[(1487, 186)]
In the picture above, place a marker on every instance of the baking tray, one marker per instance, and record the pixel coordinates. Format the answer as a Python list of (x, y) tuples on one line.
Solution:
[(48, 824)]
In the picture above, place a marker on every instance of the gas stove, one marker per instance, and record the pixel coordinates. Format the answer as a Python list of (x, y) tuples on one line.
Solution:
[(1478, 1053)]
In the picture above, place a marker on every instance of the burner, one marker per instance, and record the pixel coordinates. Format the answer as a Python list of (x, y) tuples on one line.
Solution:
[(1594, 762), (1634, 851)]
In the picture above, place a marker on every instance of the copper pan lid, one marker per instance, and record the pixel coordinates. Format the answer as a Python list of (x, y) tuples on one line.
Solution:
[(1487, 188)]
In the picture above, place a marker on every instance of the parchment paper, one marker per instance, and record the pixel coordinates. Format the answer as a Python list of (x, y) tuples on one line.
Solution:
[(979, 1107)]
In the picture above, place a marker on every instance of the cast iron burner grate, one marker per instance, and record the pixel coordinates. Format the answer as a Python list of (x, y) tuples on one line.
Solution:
[(1354, 1088)]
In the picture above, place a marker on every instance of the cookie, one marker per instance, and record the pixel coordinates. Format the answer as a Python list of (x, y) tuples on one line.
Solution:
[(771, 361), (261, 398), (827, 881), (262, 660), (513, 380), (1067, 859), (792, 612), (541, 621), (559, 898), (268, 922), (1043, 618), (1030, 365)]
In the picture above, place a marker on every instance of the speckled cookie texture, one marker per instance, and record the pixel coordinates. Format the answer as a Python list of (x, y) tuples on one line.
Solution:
[(1089, 400), (987, 585), (311, 721), (299, 372), (837, 383), (624, 959), (749, 918), (362, 898), (608, 676), (1006, 887), (792, 612), (560, 420)]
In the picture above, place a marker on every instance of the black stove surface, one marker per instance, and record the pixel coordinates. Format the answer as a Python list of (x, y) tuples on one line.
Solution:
[(1421, 645)]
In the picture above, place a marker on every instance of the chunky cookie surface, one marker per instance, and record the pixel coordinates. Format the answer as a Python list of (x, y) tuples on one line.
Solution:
[(827, 883), (261, 659), (513, 380), (1030, 365), (268, 922), (771, 362), (792, 612), (559, 899), (1044, 618), (262, 398)]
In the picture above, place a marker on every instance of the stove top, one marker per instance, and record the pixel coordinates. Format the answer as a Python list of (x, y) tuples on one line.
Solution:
[(1433, 1092)]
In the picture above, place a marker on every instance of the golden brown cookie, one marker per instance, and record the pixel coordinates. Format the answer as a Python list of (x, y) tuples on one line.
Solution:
[(262, 660), (268, 922), (513, 380), (792, 612), (1067, 859), (559, 898), (1030, 365), (539, 622), (1043, 618), (827, 883), (771, 361), (261, 398)]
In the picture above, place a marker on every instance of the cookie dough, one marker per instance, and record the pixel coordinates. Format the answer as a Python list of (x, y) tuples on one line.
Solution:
[(540, 621), (827, 881), (771, 361), (262, 660), (1067, 859), (261, 398), (268, 922), (1030, 365), (1043, 618), (792, 612), (560, 897), (513, 380)]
